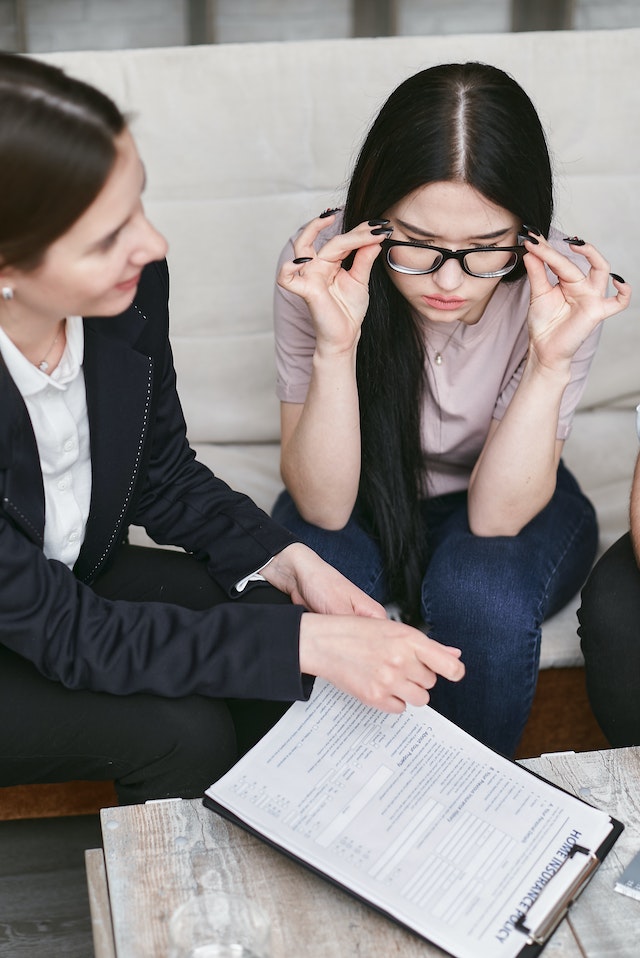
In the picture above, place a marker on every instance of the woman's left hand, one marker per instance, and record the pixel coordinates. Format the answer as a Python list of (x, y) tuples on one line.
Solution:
[(563, 315), (308, 580)]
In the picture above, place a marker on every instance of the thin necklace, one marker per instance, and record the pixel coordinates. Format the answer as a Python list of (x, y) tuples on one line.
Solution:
[(43, 365), (440, 352)]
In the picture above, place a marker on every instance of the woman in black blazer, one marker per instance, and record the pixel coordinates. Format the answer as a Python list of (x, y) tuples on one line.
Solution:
[(153, 667)]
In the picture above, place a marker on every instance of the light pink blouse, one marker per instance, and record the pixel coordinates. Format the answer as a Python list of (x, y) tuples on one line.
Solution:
[(480, 371)]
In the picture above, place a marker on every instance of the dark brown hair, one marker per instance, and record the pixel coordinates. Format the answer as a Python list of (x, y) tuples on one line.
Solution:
[(56, 151)]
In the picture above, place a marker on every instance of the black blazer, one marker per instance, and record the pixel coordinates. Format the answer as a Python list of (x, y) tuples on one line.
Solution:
[(143, 473)]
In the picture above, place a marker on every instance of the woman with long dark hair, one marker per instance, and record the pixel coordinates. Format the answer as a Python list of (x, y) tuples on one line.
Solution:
[(433, 340), (152, 667)]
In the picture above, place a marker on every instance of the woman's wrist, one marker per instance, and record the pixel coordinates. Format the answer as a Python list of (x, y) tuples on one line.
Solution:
[(333, 351), (557, 374)]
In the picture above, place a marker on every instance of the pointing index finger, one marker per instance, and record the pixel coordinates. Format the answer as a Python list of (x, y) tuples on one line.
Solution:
[(443, 660)]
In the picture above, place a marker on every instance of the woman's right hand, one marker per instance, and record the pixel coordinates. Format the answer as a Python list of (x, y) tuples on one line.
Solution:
[(337, 298), (383, 663)]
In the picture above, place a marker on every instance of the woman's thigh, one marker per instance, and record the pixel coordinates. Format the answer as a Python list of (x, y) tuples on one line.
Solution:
[(610, 636), (351, 550), (153, 747), (150, 746)]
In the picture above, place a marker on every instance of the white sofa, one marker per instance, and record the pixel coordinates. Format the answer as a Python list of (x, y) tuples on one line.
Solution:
[(243, 142)]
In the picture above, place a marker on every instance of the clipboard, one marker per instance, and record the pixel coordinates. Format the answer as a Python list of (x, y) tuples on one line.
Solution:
[(525, 933), (545, 915), (536, 927)]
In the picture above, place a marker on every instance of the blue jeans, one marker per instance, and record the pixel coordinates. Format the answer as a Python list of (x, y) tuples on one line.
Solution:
[(486, 595)]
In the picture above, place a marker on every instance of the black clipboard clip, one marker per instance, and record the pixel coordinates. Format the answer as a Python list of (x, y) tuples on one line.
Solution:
[(552, 904)]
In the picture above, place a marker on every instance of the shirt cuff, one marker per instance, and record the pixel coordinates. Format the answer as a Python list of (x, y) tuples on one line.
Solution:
[(254, 577)]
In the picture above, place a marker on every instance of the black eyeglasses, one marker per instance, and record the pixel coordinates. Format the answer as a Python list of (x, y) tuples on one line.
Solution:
[(484, 262)]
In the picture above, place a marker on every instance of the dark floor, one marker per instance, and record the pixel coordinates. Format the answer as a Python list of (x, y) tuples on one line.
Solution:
[(44, 904)]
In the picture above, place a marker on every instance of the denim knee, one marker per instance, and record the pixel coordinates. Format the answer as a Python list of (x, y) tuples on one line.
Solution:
[(352, 551), (481, 586)]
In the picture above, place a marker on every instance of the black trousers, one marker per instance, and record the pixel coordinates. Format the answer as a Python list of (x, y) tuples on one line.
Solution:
[(610, 637), (152, 747)]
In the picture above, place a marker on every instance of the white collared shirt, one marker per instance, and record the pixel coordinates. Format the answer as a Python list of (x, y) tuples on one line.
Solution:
[(57, 407)]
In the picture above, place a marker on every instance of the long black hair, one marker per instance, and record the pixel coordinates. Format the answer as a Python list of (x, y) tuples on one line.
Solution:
[(463, 122)]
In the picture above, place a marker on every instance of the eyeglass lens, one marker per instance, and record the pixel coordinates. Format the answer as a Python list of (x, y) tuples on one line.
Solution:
[(421, 259)]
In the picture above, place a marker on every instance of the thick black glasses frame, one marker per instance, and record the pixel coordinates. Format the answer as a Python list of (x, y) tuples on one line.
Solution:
[(446, 254)]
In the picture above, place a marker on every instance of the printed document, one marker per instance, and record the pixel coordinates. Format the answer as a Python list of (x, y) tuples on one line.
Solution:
[(412, 815)]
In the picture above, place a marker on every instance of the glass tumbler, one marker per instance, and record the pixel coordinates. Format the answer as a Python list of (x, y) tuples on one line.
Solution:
[(219, 925)]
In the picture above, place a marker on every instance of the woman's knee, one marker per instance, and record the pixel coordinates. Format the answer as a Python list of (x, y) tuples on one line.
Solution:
[(482, 586), (351, 550), (609, 614), (511, 583), (174, 748)]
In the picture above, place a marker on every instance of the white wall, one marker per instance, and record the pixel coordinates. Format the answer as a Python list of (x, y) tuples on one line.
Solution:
[(119, 24), (95, 24), (246, 20)]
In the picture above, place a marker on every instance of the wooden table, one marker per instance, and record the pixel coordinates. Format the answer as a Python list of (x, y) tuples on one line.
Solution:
[(157, 855)]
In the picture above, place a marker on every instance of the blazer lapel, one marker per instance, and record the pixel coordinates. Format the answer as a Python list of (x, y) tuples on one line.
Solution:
[(118, 380), (118, 370), (20, 476)]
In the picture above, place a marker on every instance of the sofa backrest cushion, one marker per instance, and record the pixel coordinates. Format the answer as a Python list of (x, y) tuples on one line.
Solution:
[(243, 142)]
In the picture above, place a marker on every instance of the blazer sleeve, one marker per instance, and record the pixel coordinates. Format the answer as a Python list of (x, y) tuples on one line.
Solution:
[(85, 641), (51, 617)]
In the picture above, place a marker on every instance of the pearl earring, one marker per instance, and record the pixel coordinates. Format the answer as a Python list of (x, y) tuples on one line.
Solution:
[(7, 292)]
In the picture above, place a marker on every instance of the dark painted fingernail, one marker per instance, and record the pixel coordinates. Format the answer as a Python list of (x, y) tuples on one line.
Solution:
[(574, 240), (378, 222), (529, 239), (381, 231), (617, 278), (329, 212), (302, 259), (531, 229)]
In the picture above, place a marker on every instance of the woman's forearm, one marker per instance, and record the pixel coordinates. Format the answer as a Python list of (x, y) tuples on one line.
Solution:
[(320, 460), (320, 457), (515, 475)]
